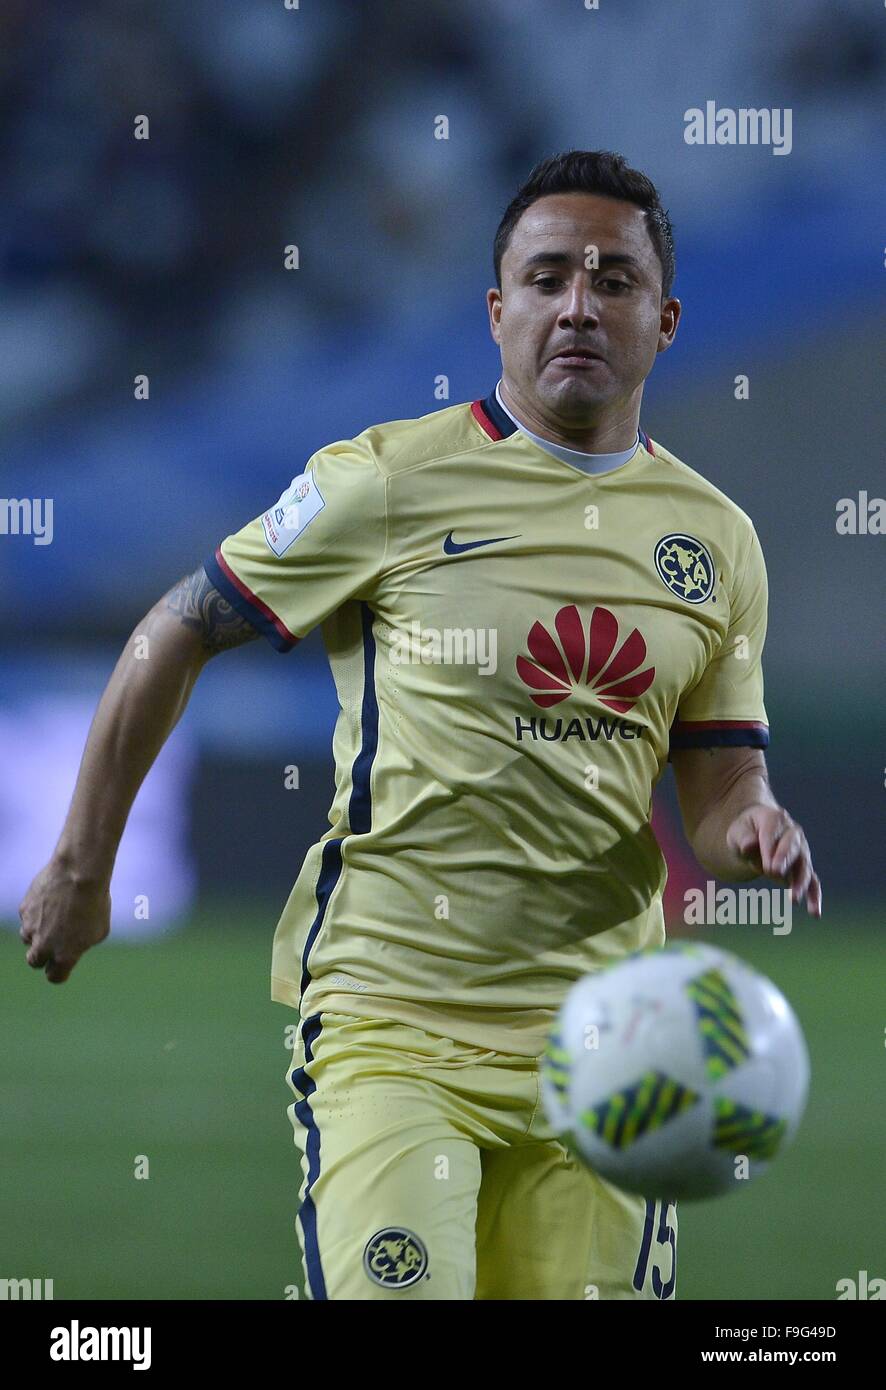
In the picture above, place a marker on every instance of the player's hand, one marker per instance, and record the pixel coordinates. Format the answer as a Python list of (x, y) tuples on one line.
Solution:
[(767, 838), (61, 918)]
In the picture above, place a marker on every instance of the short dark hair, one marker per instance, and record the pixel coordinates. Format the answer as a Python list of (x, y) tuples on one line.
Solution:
[(592, 171)]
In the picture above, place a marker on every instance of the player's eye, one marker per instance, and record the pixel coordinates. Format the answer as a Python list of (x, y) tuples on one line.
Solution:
[(619, 284), (546, 282)]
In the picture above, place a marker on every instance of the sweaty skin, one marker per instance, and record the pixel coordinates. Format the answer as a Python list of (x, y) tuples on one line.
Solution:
[(551, 300)]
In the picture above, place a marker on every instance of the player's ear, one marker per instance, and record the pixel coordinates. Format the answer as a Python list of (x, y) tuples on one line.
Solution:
[(493, 304), (670, 317)]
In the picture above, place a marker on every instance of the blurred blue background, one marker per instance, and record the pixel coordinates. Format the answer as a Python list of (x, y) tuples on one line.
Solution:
[(315, 127)]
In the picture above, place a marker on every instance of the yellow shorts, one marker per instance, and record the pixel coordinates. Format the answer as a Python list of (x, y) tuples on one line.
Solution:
[(429, 1171)]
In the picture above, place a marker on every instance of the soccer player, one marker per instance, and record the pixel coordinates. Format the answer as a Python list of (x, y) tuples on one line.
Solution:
[(529, 607)]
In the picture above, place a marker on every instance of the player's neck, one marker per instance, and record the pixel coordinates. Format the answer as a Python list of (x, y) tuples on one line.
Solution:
[(609, 435)]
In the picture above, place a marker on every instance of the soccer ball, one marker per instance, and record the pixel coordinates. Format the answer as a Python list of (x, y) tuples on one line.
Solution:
[(675, 1072)]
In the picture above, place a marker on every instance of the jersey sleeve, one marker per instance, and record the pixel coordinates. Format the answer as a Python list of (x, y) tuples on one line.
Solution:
[(725, 707), (320, 544)]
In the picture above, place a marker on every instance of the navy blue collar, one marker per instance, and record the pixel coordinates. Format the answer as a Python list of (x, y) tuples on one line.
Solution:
[(500, 418), (498, 424)]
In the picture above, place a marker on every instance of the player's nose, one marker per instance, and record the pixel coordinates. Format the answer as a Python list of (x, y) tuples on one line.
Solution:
[(580, 307)]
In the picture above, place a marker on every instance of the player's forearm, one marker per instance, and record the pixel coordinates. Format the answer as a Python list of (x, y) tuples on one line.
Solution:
[(142, 703), (709, 842)]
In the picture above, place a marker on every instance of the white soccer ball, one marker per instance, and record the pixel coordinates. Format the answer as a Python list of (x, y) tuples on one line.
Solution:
[(676, 1072)]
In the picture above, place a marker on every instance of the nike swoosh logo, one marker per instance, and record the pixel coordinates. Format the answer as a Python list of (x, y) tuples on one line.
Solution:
[(452, 547)]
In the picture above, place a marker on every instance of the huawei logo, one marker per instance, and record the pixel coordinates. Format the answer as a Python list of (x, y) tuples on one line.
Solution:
[(613, 675)]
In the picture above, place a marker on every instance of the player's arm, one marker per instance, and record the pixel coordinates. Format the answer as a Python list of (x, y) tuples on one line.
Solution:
[(67, 907), (735, 825), (282, 574)]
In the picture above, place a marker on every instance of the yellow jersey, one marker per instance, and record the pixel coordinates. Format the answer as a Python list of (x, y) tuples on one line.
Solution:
[(516, 645)]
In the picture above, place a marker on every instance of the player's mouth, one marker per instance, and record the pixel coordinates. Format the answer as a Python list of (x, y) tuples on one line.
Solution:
[(577, 357)]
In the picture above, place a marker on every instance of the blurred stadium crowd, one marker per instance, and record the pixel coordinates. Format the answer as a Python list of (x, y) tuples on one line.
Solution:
[(270, 126)]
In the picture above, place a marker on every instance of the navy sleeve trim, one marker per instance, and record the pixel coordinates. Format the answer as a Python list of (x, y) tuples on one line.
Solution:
[(248, 604)]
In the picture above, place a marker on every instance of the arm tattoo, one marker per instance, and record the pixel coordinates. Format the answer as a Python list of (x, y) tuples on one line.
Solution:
[(200, 606)]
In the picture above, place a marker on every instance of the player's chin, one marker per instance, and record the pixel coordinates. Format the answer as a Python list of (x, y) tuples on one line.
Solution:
[(577, 390)]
